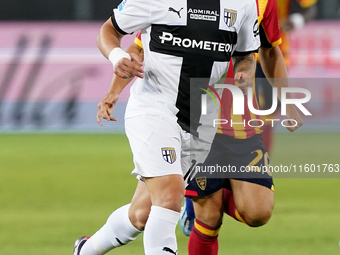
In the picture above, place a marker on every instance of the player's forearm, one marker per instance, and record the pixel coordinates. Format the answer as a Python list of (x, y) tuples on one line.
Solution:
[(118, 83), (245, 64), (274, 67), (272, 62), (108, 38)]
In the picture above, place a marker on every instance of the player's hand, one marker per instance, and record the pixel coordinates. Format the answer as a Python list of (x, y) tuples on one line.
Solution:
[(128, 69), (105, 108), (292, 113), (244, 81)]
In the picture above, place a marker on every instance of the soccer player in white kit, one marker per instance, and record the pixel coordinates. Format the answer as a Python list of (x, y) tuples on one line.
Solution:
[(182, 39)]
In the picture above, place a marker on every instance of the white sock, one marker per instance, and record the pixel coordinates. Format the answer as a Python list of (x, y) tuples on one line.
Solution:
[(117, 231), (159, 233)]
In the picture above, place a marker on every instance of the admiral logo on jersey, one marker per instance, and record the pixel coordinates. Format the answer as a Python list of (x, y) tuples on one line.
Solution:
[(192, 43), (203, 14)]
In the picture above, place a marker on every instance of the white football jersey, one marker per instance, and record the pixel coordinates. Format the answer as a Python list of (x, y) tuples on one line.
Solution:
[(184, 39)]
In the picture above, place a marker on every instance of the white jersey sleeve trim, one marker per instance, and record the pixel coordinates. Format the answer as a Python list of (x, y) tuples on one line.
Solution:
[(132, 15)]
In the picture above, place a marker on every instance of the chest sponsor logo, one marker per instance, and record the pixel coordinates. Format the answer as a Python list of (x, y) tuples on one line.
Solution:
[(169, 154), (209, 15), (230, 17), (167, 38)]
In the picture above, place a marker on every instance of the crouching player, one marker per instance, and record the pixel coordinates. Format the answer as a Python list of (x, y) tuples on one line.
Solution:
[(248, 199)]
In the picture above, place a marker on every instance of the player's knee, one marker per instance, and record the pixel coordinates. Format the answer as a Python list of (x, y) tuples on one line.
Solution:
[(138, 217), (171, 200), (256, 217), (213, 219), (167, 191), (210, 214)]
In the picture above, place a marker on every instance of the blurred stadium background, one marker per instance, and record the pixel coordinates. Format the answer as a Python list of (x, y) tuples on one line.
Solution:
[(61, 174)]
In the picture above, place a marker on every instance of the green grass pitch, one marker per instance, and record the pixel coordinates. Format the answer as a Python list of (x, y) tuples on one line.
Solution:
[(55, 188)]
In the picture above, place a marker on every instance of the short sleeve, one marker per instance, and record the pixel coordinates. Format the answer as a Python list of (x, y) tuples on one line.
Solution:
[(269, 27), (248, 37), (131, 16)]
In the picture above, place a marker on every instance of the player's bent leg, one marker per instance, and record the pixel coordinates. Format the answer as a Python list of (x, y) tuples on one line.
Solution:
[(166, 193), (117, 231), (140, 206), (155, 146), (209, 213), (122, 227), (253, 202), (209, 209)]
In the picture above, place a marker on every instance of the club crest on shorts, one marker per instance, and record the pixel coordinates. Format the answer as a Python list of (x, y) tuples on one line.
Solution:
[(201, 182), (230, 17), (169, 154)]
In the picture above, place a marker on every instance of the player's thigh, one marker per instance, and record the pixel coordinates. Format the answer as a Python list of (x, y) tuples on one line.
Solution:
[(209, 209), (155, 141), (252, 187), (207, 196), (140, 206), (206, 191), (252, 200)]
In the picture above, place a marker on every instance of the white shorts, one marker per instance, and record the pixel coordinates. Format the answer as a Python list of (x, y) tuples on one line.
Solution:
[(155, 140), (194, 151), (160, 147)]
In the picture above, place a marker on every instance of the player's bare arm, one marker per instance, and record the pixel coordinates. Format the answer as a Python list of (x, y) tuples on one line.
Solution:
[(244, 70), (273, 65), (124, 65), (106, 105)]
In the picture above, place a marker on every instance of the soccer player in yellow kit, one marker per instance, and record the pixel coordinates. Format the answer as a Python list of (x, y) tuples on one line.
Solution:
[(248, 199)]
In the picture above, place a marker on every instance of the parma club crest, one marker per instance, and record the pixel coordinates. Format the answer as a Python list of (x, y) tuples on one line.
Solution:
[(201, 182), (230, 17), (169, 154)]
